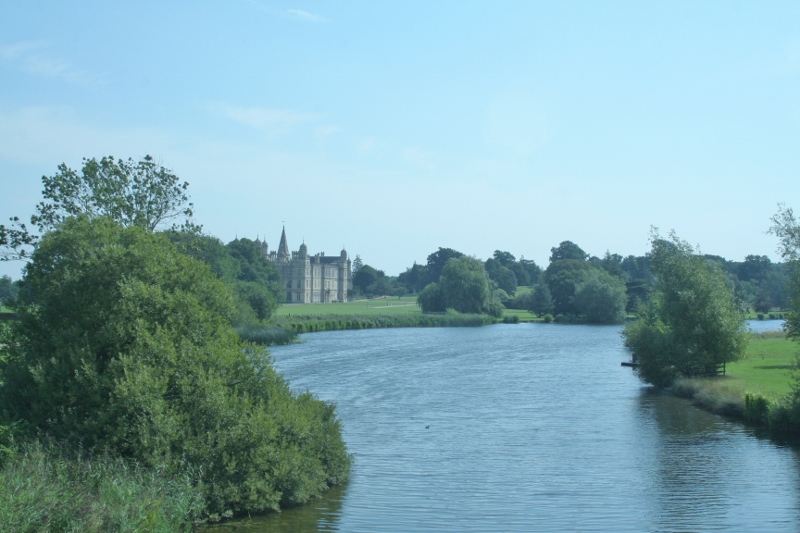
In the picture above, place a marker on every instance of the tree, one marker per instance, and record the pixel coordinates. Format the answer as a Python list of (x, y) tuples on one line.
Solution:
[(437, 260), (505, 258), (8, 291), (562, 277), (413, 278), (357, 264), (465, 285), (567, 250), (501, 275), (600, 297), (431, 299), (786, 227), (531, 268), (124, 345), (692, 325), (143, 194), (365, 277), (541, 302)]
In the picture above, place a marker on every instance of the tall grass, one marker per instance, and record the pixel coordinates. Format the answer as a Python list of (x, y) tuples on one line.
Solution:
[(45, 488), (266, 335), (312, 323)]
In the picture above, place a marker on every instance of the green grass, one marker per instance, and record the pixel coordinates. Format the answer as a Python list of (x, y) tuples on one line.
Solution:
[(755, 389), (378, 306), (45, 489), (766, 367), (522, 315)]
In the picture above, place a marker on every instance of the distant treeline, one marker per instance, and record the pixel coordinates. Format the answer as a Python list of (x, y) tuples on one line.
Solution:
[(578, 285)]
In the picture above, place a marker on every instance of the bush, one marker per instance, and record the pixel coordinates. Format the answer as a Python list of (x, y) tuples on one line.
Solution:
[(547, 318), (757, 408), (125, 345)]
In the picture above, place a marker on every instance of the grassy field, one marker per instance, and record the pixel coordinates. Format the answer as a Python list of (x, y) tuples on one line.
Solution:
[(764, 375), (766, 368), (380, 306)]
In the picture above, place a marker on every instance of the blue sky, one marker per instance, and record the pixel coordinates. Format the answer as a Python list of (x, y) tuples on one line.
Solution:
[(394, 128)]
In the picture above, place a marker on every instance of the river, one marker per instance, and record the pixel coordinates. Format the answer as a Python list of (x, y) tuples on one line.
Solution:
[(525, 427)]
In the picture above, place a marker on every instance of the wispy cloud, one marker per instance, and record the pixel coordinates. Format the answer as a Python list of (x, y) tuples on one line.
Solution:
[(296, 14), (305, 15), (269, 120), (35, 58)]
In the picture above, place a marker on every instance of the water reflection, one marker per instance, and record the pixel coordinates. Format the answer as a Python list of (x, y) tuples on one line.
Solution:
[(709, 471)]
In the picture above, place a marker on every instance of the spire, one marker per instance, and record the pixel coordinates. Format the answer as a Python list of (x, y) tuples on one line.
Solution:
[(283, 247)]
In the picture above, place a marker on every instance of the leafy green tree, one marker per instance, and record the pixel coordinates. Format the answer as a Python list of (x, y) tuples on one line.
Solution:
[(413, 278), (437, 260), (786, 227), (504, 258), (124, 344), (8, 291), (431, 299), (501, 275), (600, 297), (210, 250), (357, 264), (365, 277), (532, 270), (562, 277), (567, 250), (692, 324), (143, 194), (465, 285), (541, 301)]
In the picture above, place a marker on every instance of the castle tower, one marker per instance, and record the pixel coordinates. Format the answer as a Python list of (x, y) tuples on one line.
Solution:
[(283, 248)]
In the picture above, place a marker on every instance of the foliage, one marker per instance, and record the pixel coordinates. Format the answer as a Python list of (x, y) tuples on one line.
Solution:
[(431, 299), (357, 264), (465, 285), (8, 291), (124, 344), (503, 276), (436, 262), (562, 277), (600, 297), (786, 227), (143, 194), (541, 301), (51, 489), (567, 251), (692, 325), (413, 278)]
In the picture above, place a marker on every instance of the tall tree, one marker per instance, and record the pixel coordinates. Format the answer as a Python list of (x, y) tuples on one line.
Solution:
[(692, 324), (786, 227), (567, 250), (465, 285), (437, 260), (142, 193)]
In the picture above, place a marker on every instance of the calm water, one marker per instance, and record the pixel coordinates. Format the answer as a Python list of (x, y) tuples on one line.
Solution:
[(527, 427)]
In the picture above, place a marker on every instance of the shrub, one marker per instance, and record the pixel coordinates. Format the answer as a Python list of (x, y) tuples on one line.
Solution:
[(125, 345)]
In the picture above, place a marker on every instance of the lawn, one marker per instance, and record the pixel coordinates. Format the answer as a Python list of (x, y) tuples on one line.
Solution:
[(377, 306), (766, 367)]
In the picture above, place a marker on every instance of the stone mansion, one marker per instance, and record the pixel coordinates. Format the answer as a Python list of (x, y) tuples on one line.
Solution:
[(310, 279)]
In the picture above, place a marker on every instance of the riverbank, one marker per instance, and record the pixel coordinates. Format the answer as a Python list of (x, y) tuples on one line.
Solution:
[(755, 390)]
